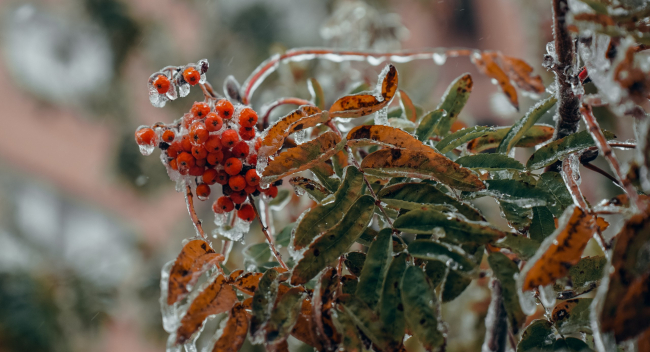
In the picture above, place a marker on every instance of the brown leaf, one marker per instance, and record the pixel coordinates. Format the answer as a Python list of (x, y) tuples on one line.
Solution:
[(248, 282), (217, 297), (386, 136), (195, 258), (304, 329), (521, 73), (247, 303), (486, 63), (535, 135), (408, 108), (564, 252), (421, 163), (275, 135), (323, 298), (234, 334), (302, 157), (366, 103)]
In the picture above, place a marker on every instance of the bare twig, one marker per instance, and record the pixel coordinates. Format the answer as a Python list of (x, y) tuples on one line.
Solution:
[(496, 325), (595, 168), (269, 239), (189, 199)]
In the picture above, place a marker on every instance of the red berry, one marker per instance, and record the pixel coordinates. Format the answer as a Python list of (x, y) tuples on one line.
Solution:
[(250, 189), (240, 150), (247, 133), (272, 191), (252, 178), (185, 161), (174, 149), (229, 138), (224, 204), (203, 191), (222, 177), (213, 122), (196, 170), (210, 176), (233, 166), (200, 110), (146, 136), (213, 144), (215, 158), (199, 152), (238, 197), (201, 162), (224, 109), (173, 164), (168, 136), (192, 76), (162, 84), (237, 183), (246, 212), (198, 133), (186, 143), (247, 117), (252, 159), (258, 143)]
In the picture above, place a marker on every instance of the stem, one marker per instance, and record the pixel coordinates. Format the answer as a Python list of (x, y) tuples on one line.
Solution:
[(189, 199), (206, 94), (269, 239), (595, 168), (282, 101), (226, 248), (604, 147), (497, 327), (374, 58)]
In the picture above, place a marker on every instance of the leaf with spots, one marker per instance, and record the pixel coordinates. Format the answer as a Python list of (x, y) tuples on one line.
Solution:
[(428, 124), (486, 63), (537, 134), (489, 162), (368, 322), (374, 269), (520, 72), (421, 163), (234, 333), (538, 337), (385, 136), (560, 250), (195, 258), (315, 190), (420, 308), (248, 282), (325, 175), (432, 250), (505, 270), (323, 299), (520, 127), (273, 137), (461, 137), (332, 243), (588, 270), (523, 247), (572, 316), (284, 316), (354, 262), (391, 309), (366, 103), (263, 300), (559, 149), (350, 340), (303, 330), (453, 101)]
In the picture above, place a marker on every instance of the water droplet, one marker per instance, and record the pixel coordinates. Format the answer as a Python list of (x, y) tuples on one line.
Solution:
[(184, 90), (147, 149), (439, 58)]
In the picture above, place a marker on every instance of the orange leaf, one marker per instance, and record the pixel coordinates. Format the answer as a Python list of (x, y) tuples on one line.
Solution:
[(234, 334), (366, 103), (521, 73), (386, 136), (421, 163), (566, 246), (304, 330), (485, 63), (275, 135), (217, 297), (248, 282), (598, 18), (195, 257), (302, 157), (323, 299), (408, 108)]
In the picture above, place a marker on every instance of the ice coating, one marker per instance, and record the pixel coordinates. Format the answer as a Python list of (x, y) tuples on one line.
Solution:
[(527, 299), (170, 318), (547, 297), (237, 231), (381, 116)]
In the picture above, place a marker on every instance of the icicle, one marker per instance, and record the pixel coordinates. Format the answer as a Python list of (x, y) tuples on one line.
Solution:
[(170, 317), (381, 117)]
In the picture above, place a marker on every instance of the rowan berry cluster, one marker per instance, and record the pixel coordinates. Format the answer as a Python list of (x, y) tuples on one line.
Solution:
[(215, 143)]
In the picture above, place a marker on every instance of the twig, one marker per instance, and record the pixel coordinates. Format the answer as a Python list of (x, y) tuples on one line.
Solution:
[(496, 325), (595, 168), (266, 110), (269, 239), (206, 94), (608, 154), (189, 200), (226, 248)]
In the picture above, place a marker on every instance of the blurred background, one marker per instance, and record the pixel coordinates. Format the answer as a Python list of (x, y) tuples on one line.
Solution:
[(86, 222)]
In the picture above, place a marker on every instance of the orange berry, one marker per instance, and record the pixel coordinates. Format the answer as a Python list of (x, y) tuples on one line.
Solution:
[(252, 159), (213, 144), (258, 143), (201, 162), (238, 197), (173, 164), (168, 136), (272, 191), (213, 122), (192, 76), (252, 178), (200, 110), (229, 138), (224, 204), (227, 154), (199, 152), (246, 212), (198, 133), (237, 183), (222, 177), (185, 161), (162, 84), (224, 109), (233, 166), (210, 176), (186, 144), (146, 136), (250, 189), (240, 150), (215, 158), (197, 170), (174, 149), (202, 191), (247, 117), (247, 133)]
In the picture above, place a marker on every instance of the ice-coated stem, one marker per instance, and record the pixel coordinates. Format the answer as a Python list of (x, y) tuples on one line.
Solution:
[(267, 67), (189, 199), (269, 239), (226, 248), (608, 154), (496, 323), (266, 110)]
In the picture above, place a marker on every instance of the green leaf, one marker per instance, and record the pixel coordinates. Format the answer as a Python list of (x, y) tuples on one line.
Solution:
[(517, 216), (375, 267), (368, 322), (350, 340), (461, 137), (330, 182), (257, 253), (453, 102), (572, 316), (519, 192), (559, 196), (315, 190), (456, 229), (283, 238), (263, 300), (316, 91), (331, 244), (418, 195), (504, 269), (517, 130), (535, 135), (542, 224), (428, 124), (282, 199), (349, 284), (354, 262), (571, 344), (323, 217), (420, 308), (559, 149), (523, 247), (455, 282), (588, 269), (391, 309), (284, 315), (367, 236), (489, 162), (430, 250), (538, 337)]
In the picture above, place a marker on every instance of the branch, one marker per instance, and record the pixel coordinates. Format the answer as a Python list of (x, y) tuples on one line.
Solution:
[(496, 323), (189, 200), (269, 239)]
